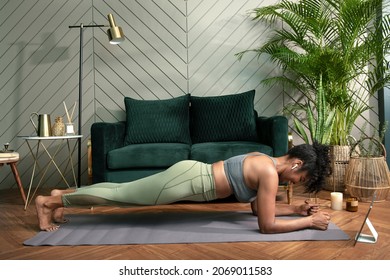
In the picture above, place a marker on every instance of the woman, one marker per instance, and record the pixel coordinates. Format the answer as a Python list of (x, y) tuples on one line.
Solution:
[(253, 178)]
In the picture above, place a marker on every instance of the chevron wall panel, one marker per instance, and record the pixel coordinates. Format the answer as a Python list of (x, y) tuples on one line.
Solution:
[(173, 47), (39, 71)]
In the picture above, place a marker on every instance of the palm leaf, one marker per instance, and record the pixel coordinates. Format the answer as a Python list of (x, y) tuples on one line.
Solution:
[(301, 131)]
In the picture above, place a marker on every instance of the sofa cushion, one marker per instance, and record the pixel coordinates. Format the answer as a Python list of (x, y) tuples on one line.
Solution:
[(215, 151), (147, 155), (223, 118), (157, 121)]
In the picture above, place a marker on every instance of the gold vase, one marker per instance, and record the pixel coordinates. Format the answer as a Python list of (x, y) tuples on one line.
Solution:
[(58, 127)]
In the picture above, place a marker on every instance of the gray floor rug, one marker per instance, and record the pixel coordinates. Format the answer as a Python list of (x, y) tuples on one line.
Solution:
[(170, 227)]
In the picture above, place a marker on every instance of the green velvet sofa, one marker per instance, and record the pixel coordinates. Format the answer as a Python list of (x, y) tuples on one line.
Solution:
[(158, 133)]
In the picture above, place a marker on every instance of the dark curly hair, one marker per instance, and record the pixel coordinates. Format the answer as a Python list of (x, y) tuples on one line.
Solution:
[(316, 161)]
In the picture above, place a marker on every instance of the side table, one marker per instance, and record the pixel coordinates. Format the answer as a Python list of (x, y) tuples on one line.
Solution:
[(12, 160), (41, 144)]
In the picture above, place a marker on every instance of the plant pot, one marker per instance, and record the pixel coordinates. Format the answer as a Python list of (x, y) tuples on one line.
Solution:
[(339, 158)]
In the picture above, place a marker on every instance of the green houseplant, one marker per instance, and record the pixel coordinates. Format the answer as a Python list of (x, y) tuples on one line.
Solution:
[(330, 50), (333, 53), (319, 117)]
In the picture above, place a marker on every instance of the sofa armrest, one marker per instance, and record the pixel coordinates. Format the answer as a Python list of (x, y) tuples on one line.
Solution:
[(104, 137), (273, 131)]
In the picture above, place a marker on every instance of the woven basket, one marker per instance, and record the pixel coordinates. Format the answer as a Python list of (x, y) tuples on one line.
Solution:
[(339, 158), (366, 176)]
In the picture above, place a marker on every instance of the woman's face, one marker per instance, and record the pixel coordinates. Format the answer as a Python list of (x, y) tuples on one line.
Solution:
[(294, 176), (299, 177)]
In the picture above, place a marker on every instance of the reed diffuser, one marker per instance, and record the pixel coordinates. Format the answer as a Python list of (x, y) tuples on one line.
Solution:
[(69, 126)]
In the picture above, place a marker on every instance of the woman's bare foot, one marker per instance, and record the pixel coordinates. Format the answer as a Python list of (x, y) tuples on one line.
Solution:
[(44, 214)]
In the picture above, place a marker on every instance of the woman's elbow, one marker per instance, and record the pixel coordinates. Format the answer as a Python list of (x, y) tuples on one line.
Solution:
[(266, 229)]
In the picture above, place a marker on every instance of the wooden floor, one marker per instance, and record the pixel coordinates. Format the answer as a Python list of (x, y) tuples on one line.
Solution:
[(17, 225)]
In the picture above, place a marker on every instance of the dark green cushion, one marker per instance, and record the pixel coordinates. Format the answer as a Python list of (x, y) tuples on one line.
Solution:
[(157, 121), (223, 118), (216, 151), (154, 155)]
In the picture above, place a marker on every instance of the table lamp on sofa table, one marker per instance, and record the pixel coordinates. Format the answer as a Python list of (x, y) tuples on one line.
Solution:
[(115, 36)]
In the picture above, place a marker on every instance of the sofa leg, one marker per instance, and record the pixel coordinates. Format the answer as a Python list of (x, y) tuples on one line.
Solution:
[(289, 192), (89, 149)]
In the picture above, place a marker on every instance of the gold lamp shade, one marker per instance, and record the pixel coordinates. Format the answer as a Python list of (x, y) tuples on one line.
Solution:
[(115, 33)]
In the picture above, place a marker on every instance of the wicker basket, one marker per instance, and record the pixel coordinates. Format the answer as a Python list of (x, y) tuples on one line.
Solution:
[(339, 157), (366, 176)]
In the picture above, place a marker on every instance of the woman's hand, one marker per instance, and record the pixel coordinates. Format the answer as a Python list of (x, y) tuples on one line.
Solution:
[(320, 220), (307, 209)]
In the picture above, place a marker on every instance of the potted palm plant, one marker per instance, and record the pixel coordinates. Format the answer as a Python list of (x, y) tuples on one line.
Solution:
[(330, 50)]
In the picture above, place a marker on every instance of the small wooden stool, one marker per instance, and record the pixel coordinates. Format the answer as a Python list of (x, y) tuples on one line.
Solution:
[(12, 160)]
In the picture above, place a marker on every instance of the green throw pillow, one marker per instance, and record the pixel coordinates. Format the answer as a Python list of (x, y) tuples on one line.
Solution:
[(157, 121), (223, 118)]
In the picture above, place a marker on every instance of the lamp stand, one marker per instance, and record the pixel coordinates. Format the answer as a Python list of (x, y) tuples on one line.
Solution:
[(81, 27), (115, 35)]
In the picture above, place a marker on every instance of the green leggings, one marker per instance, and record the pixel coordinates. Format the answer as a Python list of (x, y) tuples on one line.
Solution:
[(185, 180)]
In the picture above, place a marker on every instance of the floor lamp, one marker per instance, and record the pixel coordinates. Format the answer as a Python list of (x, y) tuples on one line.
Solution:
[(115, 36)]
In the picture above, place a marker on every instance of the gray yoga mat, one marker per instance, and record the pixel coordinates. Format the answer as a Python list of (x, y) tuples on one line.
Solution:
[(170, 227)]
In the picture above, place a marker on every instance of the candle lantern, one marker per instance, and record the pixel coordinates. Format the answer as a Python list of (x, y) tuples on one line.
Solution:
[(368, 175)]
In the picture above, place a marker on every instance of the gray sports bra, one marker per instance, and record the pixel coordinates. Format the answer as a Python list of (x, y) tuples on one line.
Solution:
[(235, 175)]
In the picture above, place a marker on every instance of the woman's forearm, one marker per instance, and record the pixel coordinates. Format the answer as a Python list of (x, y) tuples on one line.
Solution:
[(281, 225), (285, 209), (280, 209)]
